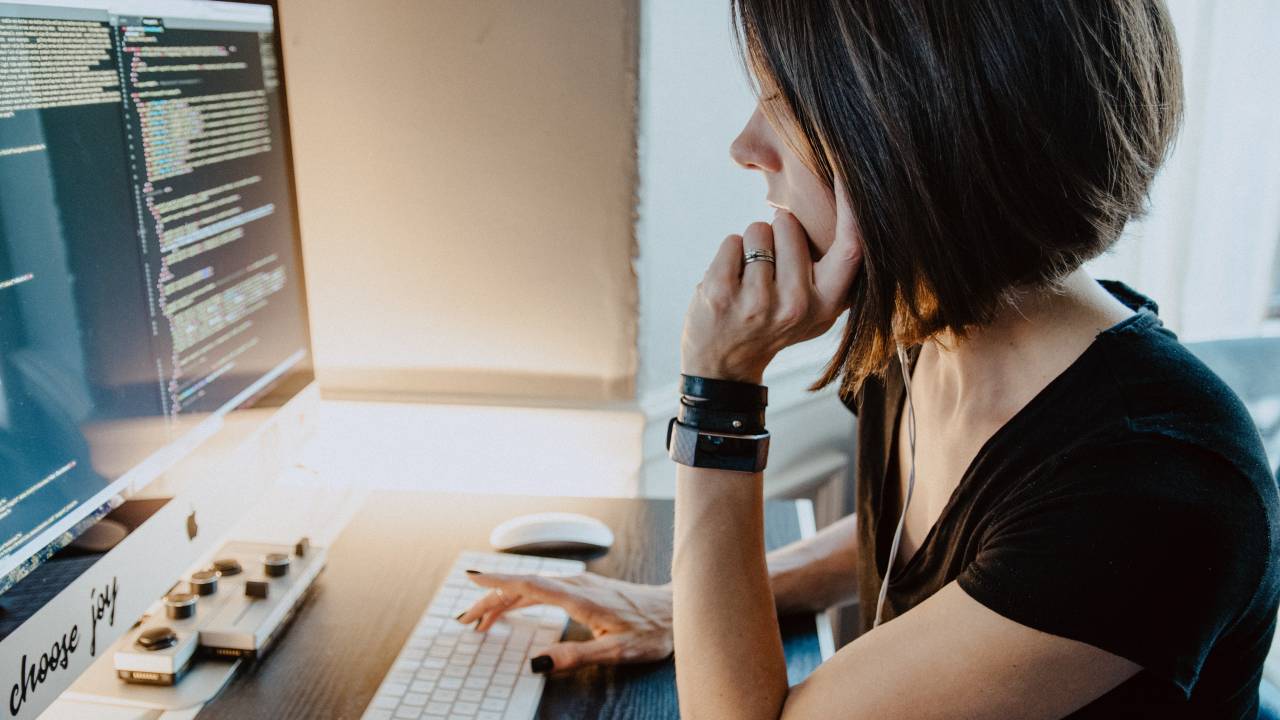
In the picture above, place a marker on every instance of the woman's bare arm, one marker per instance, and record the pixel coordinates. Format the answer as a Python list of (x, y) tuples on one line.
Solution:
[(726, 628)]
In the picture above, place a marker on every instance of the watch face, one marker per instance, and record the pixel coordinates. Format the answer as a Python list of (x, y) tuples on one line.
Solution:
[(688, 446)]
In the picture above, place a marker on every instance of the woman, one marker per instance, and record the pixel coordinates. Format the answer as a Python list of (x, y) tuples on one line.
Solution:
[(1078, 515)]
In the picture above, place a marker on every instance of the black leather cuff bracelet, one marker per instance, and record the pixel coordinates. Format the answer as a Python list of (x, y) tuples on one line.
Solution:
[(724, 394), (716, 420)]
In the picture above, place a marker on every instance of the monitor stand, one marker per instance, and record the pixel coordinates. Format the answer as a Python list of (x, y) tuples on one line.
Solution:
[(101, 537)]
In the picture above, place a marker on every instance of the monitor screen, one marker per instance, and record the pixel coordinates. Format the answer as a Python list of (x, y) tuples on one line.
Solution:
[(150, 278)]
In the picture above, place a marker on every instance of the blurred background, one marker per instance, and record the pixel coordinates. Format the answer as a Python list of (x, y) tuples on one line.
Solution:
[(502, 234)]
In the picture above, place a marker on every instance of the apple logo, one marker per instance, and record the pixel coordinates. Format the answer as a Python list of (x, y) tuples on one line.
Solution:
[(192, 528)]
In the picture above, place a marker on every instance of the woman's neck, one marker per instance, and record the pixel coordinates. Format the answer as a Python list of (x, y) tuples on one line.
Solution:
[(998, 367)]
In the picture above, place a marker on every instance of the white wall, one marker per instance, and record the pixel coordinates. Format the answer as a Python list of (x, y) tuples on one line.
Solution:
[(469, 215), (467, 182), (694, 98), (1206, 251), (466, 179)]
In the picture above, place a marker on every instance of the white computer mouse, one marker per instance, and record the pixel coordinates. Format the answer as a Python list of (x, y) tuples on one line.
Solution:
[(551, 532)]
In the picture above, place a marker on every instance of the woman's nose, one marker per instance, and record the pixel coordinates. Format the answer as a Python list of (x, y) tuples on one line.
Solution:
[(753, 149)]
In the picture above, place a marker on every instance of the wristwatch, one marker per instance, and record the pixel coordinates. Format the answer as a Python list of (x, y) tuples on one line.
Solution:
[(721, 451)]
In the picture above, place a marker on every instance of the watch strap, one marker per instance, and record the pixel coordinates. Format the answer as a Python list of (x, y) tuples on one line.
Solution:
[(724, 393), (727, 421)]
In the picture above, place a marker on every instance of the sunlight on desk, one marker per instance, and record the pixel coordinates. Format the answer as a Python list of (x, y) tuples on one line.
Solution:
[(477, 449)]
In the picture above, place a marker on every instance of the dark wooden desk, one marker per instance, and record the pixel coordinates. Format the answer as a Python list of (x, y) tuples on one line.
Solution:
[(388, 562)]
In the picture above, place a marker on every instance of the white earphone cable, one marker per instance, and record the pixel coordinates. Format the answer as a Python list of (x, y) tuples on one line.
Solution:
[(911, 485)]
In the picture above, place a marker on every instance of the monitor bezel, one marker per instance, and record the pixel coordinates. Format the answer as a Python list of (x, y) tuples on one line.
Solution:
[(273, 394), (262, 433)]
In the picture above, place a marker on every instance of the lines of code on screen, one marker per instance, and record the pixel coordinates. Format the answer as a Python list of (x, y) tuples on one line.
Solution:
[(55, 63), (148, 275), (201, 123)]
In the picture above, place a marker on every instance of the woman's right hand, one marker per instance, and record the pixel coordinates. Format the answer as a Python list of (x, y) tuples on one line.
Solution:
[(629, 623)]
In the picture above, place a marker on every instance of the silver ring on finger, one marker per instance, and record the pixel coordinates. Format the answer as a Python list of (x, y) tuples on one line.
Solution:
[(757, 255), (502, 597)]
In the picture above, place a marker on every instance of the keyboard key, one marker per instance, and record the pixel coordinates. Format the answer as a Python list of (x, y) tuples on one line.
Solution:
[(469, 695), (394, 688), (444, 696)]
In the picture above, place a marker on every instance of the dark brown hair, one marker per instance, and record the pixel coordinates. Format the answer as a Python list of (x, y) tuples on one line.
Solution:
[(987, 146)]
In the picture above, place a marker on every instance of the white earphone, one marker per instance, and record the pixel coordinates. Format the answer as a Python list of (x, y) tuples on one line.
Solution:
[(911, 485)]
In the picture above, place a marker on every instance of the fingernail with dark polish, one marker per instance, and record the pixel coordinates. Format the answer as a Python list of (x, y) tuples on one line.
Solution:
[(477, 625), (459, 617), (541, 664), (474, 572)]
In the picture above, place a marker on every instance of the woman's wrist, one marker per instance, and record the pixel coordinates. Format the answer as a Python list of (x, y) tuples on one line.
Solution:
[(707, 365), (722, 373)]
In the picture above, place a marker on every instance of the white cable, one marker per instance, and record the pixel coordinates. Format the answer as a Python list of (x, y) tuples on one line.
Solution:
[(911, 485)]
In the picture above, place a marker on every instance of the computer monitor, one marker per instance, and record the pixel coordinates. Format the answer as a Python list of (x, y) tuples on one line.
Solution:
[(152, 302)]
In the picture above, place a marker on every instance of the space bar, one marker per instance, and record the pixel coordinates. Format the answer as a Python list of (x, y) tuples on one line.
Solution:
[(523, 704)]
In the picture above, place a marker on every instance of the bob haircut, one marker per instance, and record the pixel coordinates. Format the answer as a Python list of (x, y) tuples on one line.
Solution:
[(988, 147)]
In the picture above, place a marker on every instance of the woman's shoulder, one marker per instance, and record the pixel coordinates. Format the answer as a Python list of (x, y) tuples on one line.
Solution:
[(1165, 398), (1154, 423)]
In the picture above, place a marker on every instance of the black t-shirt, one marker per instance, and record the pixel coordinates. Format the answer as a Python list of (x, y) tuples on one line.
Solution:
[(1129, 505)]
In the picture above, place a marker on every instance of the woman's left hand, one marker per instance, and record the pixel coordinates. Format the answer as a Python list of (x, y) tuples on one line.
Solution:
[(741, 317)]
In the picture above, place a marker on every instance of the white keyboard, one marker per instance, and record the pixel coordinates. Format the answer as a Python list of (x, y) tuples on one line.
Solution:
[(447, 670)]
